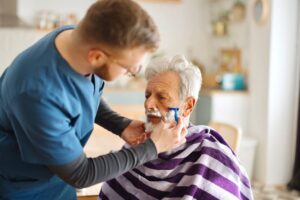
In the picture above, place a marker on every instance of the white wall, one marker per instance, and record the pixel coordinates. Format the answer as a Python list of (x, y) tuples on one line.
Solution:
[(183, 26), (273, 90), (237, 37), (283, 90), (27, 9), (258, 86), (13, 41)]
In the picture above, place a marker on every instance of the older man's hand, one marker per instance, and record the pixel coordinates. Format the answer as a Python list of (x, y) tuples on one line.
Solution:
[(134, 133), (167, 137)]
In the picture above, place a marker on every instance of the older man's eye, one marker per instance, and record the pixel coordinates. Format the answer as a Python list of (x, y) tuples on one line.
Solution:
[(162, 97)]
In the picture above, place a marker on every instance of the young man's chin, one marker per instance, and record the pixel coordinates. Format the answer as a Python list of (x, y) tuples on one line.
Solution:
[(105, 77)]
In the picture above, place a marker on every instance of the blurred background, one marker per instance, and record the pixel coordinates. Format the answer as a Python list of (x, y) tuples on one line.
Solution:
[(248, 53)]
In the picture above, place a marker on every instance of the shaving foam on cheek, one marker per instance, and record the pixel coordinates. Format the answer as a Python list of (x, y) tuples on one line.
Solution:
[(172, 114)]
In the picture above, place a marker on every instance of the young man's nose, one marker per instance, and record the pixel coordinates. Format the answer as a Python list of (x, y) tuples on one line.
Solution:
[(136, 70)]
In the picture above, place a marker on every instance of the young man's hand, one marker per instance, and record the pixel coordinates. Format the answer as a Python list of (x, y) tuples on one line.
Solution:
[(134, 133)]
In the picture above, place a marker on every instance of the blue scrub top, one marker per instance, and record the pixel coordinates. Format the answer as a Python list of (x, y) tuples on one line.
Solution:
[(47, 112)]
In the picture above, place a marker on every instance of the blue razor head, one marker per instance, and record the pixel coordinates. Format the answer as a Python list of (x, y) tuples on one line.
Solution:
[(176, 110)]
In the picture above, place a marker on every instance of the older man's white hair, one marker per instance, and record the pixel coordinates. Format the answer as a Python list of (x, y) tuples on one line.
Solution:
[(190, 75)]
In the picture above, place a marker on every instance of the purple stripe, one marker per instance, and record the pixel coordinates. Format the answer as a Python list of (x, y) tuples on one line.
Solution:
[(176, 192), (234, 167), (194, 156), (145, 188), (171, 164), (243, 197), (198, 138), (202, 170), (223, 158), (219, 137), (193, 191), (209, 134), (117, 187), (193, 139), (194, 136), (102, 196)]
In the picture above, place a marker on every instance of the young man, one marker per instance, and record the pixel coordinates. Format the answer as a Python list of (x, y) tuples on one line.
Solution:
[(50, 98), (202, 168)]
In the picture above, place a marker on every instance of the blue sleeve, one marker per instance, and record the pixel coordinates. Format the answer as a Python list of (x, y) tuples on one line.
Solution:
[(44, 130)]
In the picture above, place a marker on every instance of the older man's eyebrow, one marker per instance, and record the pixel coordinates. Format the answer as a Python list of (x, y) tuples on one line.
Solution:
[(164, 94)]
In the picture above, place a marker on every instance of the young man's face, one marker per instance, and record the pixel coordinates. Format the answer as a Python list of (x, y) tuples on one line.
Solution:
[(162, 92), (125, 62)]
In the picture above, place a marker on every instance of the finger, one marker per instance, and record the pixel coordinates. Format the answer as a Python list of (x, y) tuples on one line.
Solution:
[(162, 125), (164, 119), (182, 141), (184, 132), (172, 124), (168, 124), (179, 125)]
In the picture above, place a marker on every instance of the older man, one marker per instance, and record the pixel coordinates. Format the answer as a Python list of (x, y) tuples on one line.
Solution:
[(203, 168)]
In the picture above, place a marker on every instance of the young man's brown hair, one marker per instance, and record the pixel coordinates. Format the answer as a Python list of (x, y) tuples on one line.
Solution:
[(119, 24)]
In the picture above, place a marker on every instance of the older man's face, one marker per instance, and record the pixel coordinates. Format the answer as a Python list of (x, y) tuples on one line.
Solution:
[(162, 91)]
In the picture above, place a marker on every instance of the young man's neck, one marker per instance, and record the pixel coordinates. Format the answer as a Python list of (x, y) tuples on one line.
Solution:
[(71, 49)]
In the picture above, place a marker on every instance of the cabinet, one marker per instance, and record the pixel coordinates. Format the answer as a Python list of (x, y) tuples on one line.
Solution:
[(226, 106)]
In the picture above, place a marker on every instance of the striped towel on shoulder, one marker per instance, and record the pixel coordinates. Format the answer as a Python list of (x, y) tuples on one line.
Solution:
[(203, 168)]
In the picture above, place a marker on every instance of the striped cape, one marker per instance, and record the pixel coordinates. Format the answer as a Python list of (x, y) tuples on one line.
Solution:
[(203, 168)]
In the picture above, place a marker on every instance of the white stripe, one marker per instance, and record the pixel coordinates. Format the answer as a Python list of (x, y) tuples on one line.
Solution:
[(209, 187), (226, 151), (181, 168), (158, 185), (178, 169), (130, 188), (109, 192), (196, 129), (185, 197), (226, 172), (209, 162), (166, 173), (188, 180), (220, 146)]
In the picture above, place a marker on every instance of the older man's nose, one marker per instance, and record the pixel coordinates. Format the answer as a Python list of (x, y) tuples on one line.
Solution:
[(150, 103)]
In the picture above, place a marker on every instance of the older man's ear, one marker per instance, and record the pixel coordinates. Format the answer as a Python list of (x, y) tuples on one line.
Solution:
[(188, 106)]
